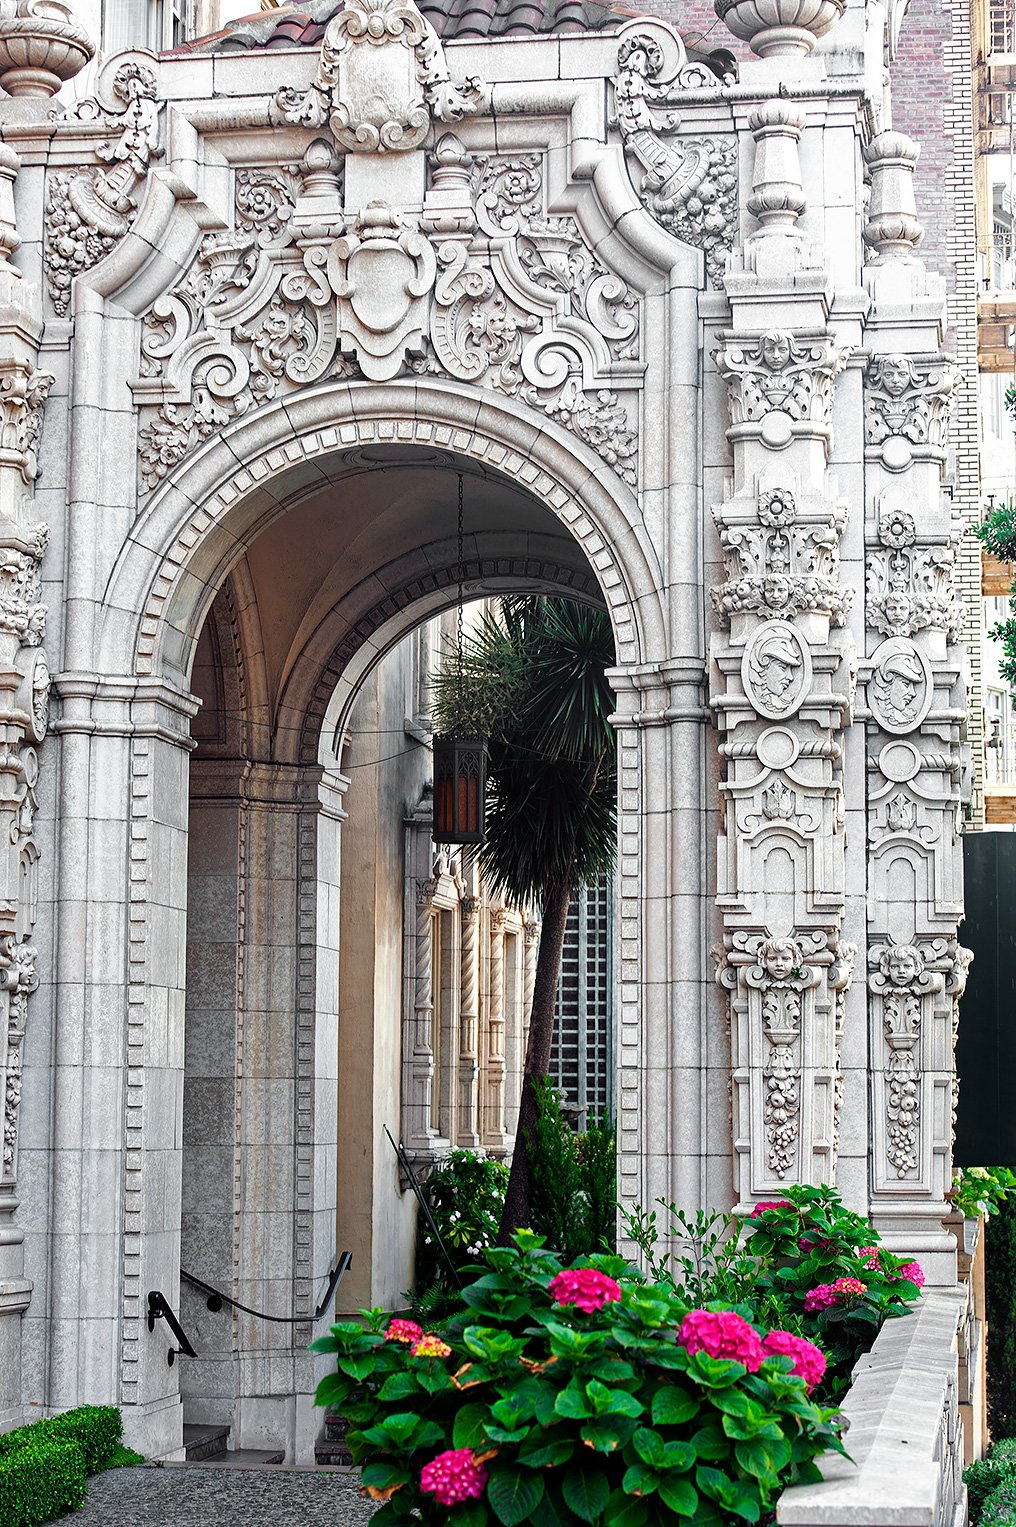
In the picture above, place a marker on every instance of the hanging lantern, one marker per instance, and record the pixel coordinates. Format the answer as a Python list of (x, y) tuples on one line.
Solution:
[(460, 789)]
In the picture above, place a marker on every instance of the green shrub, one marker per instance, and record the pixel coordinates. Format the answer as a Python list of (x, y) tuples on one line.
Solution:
[(558, 1411), (1000, 1298), (574, 1194), (43, 1465), (465, 1195), (999, 1509), (39, 1479), (983, 1479), (1004, 1452)]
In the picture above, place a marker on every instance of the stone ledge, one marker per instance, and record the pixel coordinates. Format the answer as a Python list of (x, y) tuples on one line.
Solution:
[(905, 1438)]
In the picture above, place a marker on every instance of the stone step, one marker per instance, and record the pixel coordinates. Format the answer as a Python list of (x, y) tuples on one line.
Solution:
[(241, 1458), (202, 1442), (334, 1454), (336, 1426)]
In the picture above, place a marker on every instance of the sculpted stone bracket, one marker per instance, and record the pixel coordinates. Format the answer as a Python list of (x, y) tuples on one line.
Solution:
[(482, 287), (88, 211), (688, 183), (906, 408), (381, 77), (780, 385)]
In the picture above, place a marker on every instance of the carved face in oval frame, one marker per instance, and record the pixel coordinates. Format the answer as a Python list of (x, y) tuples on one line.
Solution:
[(776, 670), (901, 686)]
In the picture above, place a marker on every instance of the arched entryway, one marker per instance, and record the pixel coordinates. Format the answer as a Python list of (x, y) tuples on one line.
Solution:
[(280, 585)]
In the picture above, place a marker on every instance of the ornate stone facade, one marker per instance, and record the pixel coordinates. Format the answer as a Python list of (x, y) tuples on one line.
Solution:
[(285, 300)]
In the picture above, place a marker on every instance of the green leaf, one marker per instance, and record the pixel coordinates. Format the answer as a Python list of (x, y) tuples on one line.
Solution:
[(384, 1473), (586, 1492), (358, 1367), (468, 1513), (755, 1458), (513, 1495), (433, 1378), (537, 1453), (332, 1390), (710, 1481), (639, 1479), (469, 1430), (679, 1494), (672, 1406), (428, 1434), (650, 1446), (550, 1512), (608, 1433), (397, 1386), (625, 1511), (572, 1404), (393, 1431), (710, 1441)]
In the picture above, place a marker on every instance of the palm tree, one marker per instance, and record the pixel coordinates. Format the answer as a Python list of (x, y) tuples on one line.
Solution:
[(532, 680)]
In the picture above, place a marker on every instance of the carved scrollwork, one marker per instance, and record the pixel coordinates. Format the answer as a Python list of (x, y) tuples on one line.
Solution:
[(482, 287), (906, 406), (688, 184), (381, 77), (88, 211)]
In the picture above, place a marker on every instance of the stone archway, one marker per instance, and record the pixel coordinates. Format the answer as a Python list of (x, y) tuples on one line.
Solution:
[(266, 806)]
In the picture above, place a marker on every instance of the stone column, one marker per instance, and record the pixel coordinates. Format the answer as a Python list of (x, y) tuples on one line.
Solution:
[(469, 1022), (24, 701), (784, 664), (494, 1138), (419, 1090), (914, 706)]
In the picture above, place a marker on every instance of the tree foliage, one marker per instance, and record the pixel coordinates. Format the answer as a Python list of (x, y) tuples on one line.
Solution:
[(532, 680)]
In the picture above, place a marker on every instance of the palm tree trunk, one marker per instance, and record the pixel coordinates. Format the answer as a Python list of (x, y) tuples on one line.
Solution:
[(516, 1210)]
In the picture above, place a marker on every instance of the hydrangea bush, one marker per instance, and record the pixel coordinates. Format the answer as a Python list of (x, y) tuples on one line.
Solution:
[(832, 1280), (803, 1262), (580, 1394)]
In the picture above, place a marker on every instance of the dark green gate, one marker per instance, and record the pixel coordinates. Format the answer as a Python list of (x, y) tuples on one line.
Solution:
[(986, 1048)]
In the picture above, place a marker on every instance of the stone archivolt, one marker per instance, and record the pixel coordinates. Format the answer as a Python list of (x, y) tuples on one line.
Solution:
[(483, 287)]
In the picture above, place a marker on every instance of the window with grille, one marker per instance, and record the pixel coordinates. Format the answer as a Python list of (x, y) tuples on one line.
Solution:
[(582, 1057), (1001, 27)]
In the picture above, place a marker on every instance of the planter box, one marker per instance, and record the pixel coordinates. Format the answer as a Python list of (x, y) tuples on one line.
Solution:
[(905, 1436)]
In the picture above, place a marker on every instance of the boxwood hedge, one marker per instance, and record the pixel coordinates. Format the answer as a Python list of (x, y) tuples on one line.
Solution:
[(43, 1466)]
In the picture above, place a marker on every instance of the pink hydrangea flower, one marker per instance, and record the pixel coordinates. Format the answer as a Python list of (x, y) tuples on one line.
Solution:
[(809, 1361), (585, 1287), (453, 1476), (404, 1331), (721, 1333), (761, 1209), (825, 1294), (870, 1255), (913, 1272), (431, 1345)]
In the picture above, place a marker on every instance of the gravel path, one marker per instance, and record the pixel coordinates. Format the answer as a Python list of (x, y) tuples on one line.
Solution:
[(209, 1497)]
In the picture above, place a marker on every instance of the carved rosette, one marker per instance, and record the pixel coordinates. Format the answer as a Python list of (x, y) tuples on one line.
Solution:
[(482, 287)]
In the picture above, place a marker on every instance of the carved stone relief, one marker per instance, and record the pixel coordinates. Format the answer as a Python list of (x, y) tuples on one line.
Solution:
[(381, 77), (689, 184), (780, 384), (483, 287), (906, 407), (88, 211)]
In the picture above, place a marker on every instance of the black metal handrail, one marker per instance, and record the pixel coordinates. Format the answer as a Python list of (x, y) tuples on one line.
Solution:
[(159, 1309), (216, 1298)]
